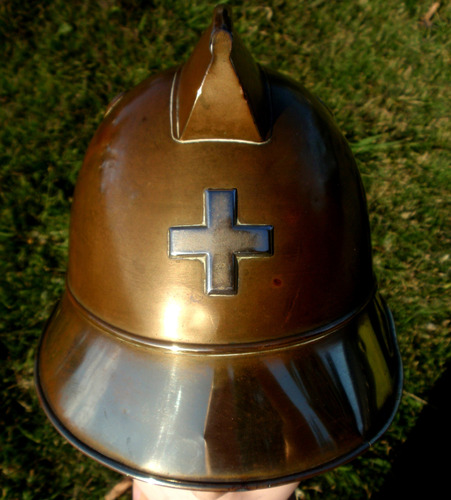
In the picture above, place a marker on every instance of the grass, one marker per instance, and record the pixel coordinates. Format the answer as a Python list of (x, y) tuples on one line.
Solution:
[(384, 74)]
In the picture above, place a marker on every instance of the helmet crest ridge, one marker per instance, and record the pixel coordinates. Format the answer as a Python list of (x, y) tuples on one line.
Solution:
[(220, 91)]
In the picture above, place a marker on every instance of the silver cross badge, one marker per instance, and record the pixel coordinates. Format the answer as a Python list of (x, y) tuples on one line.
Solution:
[(220, 241)]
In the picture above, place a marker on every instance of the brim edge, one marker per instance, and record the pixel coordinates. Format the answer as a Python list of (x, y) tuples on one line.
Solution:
[(221, 486)]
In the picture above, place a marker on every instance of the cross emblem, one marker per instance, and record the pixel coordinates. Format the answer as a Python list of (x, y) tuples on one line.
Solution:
[(220, 241)]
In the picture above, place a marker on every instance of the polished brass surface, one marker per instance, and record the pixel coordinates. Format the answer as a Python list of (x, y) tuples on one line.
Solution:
[(220, 327), (131, 190), (220, 421)]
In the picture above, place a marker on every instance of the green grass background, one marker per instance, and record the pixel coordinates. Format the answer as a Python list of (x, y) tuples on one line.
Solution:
[(385, 75)]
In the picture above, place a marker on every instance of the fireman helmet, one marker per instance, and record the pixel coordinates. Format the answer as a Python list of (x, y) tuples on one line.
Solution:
[(221, 326)]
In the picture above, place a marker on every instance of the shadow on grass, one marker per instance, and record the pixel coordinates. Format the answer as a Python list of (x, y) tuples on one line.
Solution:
[(421, 466)]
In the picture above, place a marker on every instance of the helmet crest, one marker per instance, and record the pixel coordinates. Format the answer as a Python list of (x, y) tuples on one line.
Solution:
[(220, 92)]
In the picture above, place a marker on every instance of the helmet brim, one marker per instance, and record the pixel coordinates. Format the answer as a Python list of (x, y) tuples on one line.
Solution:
[(220, 420)]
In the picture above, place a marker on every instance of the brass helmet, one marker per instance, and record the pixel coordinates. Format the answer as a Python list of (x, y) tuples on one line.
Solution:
[(221, 326)]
